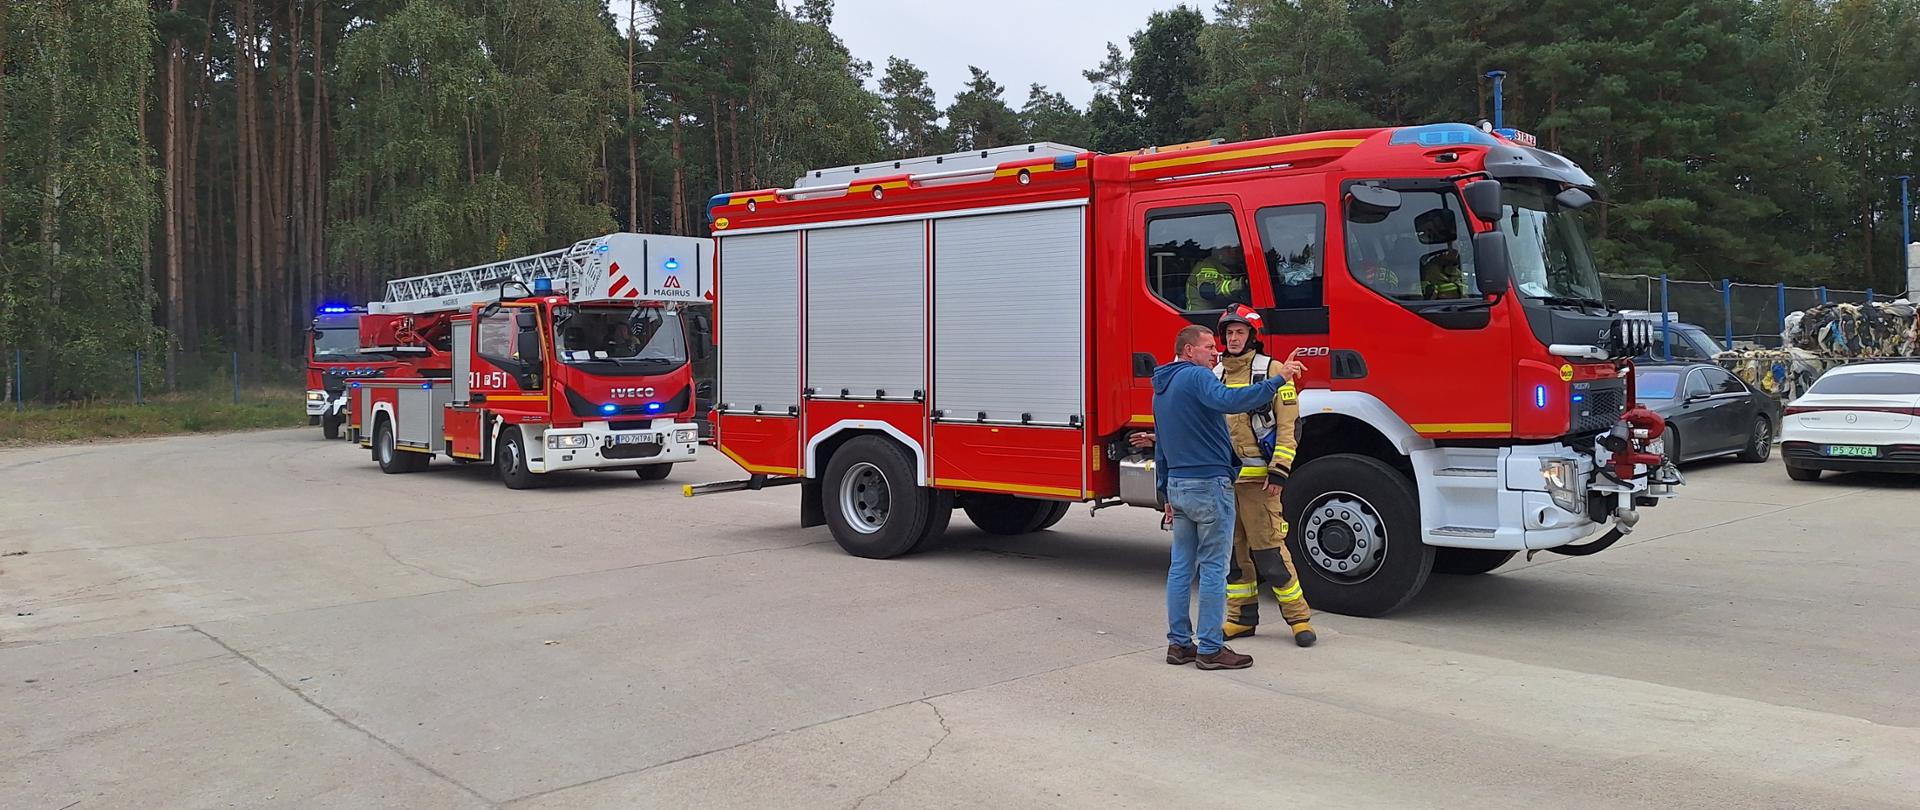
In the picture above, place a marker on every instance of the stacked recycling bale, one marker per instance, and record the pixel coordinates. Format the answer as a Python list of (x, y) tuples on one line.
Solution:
[(1853, 331)]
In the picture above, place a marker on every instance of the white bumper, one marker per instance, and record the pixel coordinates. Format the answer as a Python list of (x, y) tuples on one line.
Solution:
[(596, 446), (1497, 498)]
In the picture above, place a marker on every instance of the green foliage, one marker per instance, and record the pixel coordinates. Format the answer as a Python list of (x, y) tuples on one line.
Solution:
[(911, 116), (814, 109), (979, 117), (163, 415), (1048, 116)]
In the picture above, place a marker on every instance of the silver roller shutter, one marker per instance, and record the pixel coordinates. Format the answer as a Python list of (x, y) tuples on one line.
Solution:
[(759, 315), (866, 311), (1007, 316)]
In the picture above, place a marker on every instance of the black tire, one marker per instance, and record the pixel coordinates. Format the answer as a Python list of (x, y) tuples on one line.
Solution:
[(330, 426), (1060, 510), (654, 472), (1759, 441), (510, 460), (1468, 561), (392, 459), (938, 518), (1802, 473), (873, 504), (1387, 560), (1671, 440), (1007, 514)]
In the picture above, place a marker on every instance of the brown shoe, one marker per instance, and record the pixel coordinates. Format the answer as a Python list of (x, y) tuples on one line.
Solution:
[(1224, 659), (1178, 655)]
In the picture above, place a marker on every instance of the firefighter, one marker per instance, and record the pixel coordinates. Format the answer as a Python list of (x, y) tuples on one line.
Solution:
[(1265, 441), (1213, 283), (1440, 275)]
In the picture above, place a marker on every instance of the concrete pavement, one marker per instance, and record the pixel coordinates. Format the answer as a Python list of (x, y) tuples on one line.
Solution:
[(264, 620)]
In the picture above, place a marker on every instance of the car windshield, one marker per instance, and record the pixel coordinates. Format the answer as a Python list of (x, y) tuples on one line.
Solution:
[(1702, 343), (1657, 384), (643, 335), (1870, 383), (1548, 245), (336, 345)]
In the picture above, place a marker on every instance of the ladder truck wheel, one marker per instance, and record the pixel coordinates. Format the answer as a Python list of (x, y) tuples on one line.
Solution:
[(874, 506), (1356, 534), (1060, 510), (1469, 561), (1008, 514), (510, 460), (386, 450), (654, 472), (330, 426)]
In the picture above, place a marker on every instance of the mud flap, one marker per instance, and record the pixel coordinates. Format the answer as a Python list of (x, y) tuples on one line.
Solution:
[(812, 512)]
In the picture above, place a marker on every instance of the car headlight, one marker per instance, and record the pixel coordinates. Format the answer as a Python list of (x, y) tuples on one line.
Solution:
[(687, 435), (1564, 483), (567, 441), (316, 396)]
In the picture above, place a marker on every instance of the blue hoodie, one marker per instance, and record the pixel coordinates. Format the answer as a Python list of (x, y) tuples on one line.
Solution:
[(1189, 422)]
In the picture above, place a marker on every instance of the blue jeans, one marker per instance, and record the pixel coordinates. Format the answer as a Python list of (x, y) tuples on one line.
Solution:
[(1202, 542)]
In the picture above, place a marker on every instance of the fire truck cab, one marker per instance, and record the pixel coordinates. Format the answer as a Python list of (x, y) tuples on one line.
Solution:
[(576, 359), (334, 359), (980, 331)]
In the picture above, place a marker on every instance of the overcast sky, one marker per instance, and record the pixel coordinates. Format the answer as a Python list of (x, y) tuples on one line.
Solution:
[(1018, 42)]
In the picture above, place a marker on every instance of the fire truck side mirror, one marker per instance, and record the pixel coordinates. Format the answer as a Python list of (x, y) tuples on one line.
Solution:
[(1573, 198), (1492, 267), (1483, 199)]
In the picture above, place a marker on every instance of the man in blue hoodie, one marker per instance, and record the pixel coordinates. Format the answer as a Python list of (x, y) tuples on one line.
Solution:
[(1194, 464)]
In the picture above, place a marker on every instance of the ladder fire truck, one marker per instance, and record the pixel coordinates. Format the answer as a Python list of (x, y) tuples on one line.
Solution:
[(575, 359), (980, 330)]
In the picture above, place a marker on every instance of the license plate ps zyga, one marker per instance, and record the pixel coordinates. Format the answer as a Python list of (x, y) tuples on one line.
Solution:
[(1853, 451)]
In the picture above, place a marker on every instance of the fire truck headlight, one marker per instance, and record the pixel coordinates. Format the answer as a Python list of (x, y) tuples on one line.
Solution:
[(1563, 483), (687, 435), (316, 396), (568, 441)]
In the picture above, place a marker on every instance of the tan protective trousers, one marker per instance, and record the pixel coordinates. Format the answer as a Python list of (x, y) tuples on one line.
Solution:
[(1260, 531)]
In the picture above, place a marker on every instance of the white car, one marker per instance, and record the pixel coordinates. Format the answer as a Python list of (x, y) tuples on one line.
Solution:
[(1860, 417)]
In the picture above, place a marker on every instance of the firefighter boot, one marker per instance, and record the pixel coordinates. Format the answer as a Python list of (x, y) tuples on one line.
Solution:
[(1286, 588)]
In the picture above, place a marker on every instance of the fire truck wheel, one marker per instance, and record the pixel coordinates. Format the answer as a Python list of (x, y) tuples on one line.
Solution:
[(1007, 514), (873, 504), (330, 426), (1060, 510), (1468, 561), (510, 459), (654, 472), (393, 460), (1356, 526)]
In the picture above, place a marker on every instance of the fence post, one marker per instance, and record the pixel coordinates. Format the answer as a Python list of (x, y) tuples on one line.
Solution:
[(1726, 305), (1823, 294), (236, 378), (19, 380), (1781, 288), (1869, 295), (1666, 328), (138, 393)]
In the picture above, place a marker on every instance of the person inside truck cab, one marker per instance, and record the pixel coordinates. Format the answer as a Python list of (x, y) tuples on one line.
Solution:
[(620, 341), (1440, 274), (1215, 282)]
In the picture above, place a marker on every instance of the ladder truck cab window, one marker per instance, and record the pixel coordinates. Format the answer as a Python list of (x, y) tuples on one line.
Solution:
[(1418, 251), (609, 339), (1548, 246), (1290, 242), (1194, 259), (496, 337)]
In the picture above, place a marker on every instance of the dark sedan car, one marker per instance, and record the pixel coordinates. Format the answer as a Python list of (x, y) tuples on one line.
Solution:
[(1709, 411)]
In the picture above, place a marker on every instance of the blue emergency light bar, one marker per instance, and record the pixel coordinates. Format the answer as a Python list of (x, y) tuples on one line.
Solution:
[(333, 309), (543, 285)]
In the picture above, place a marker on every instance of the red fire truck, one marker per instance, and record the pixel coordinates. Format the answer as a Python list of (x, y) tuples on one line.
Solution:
[(576, 359), (979, 331), (334, 359)]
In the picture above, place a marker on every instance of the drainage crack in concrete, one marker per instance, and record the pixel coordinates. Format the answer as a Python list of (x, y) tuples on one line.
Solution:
[(397, 750), (945, 732), (387, 550)]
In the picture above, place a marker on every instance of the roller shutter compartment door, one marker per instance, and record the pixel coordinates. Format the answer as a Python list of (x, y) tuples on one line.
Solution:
[(866, 311), (759, 313), (1008, 331)]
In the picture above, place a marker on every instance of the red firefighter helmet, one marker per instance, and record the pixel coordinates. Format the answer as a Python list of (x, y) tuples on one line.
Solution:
[(1244, 315)]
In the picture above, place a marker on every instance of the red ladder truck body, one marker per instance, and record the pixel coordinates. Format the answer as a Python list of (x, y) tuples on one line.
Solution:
[(982, 334), (576, 359)]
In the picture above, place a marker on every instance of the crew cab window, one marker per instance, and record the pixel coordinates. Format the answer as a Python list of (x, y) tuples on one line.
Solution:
[(496, 336), (1420, 251), (1719, 381), (1195, 261), (1290, 242)]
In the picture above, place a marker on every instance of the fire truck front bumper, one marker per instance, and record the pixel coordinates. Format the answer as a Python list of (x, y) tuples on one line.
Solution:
[(316, 403), (597, 446), (1528, 498)]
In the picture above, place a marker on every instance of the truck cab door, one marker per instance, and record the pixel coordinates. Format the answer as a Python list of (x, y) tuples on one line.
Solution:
[(1409, 323), (1191, 253), (509, 357)]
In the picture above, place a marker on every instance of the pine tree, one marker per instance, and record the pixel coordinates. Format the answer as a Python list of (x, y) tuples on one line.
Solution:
[(912, 117), (979, 118), (1049, 116)]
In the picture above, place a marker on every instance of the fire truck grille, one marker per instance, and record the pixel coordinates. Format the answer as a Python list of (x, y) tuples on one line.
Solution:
[(630, 451), (1601, 403)]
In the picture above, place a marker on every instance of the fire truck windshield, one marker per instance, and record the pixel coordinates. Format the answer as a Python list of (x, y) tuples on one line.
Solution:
[(1548, 245), (627, 336), (336, 345)]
